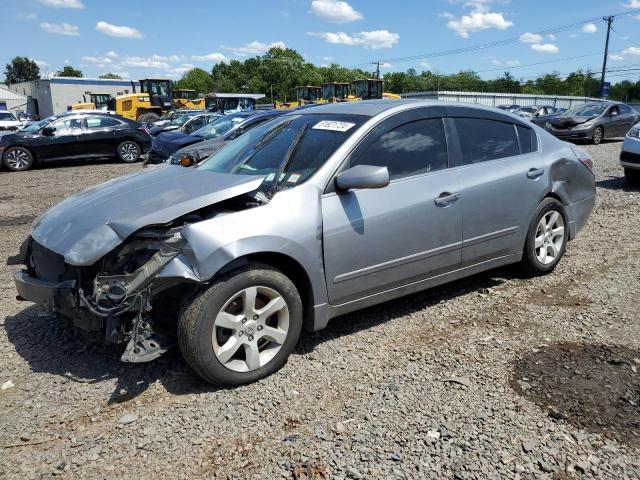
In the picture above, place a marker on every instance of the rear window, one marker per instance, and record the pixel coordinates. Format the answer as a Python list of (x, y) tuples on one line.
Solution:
[(482, 140), (528, 141)]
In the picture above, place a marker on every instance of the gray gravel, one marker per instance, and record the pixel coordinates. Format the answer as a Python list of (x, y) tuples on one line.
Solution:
[(431, 386)]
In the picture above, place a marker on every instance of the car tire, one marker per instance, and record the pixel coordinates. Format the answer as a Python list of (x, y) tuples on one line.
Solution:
[(632, 177), (17, 159), (128, 151), (225, 335), (597, 136), (148, 117), (546, 239)]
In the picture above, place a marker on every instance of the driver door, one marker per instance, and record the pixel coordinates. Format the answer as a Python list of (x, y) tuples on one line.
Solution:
[(64, 142), (378, 239)]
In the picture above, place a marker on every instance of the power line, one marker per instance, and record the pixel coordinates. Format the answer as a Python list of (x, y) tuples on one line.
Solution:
[(499, 43)]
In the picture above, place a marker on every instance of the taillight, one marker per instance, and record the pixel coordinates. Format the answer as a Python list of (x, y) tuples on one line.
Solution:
[(584, 157)]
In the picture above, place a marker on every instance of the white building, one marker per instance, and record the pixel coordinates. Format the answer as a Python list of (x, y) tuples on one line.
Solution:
[(12, 101), (50, 96)]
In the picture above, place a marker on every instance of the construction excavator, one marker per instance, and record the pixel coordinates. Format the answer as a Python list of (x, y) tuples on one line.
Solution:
[(97, 101)]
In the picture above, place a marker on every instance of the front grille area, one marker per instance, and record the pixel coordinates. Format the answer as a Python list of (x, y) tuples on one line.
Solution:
[(630, 157)]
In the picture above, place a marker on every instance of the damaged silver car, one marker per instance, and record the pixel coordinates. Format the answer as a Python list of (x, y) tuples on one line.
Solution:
[(315, 214)]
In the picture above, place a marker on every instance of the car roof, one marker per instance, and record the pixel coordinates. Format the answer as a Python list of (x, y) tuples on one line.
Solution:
[(368, 108)]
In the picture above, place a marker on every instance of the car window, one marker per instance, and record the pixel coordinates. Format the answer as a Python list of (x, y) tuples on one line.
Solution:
[(624, 109), (528, 140), (101, 122), (614, 110), (482, 140), (67, 124), (409, 149), (7, 116)]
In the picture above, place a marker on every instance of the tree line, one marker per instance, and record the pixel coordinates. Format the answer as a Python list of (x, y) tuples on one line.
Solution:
[(279, 71)]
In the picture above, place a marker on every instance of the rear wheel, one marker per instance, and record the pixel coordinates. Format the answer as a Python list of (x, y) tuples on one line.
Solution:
[(547, 237), (17, 159), (243, 327), (597, 136), (632, 176), (149, 117), (128, 151)]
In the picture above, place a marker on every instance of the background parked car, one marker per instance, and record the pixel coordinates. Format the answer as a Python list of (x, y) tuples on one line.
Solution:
[(167, 143), (630, 156), (9, 122), (171, 115), (539, 114), (187, 123), (191, 154), (508, 108), (593, 121), (74, 135)]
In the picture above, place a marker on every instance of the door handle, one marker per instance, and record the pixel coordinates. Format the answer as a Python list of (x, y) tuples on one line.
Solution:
[(535, 173), (446, 198)]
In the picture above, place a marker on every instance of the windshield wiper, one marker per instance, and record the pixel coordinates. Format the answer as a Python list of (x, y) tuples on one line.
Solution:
[(284, 165)]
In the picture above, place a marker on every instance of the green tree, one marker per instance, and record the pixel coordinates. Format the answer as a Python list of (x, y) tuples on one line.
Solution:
[(196, 79), (21, 69), (69, 71), (110, 76)]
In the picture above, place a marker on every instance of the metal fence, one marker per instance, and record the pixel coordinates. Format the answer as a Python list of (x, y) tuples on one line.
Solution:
[(495, 99)]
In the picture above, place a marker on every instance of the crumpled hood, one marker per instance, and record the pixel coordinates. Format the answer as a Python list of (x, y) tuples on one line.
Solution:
[(86, 226), (570, 121), (201, 150), (168, 142)]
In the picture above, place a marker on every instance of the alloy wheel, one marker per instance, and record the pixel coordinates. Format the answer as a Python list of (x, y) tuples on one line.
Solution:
[(17, 159), (129, 152), (549, 237), (250, 329), (597, 136)]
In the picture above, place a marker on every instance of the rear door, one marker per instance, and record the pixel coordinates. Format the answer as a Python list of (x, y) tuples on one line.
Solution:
[(378, 239), (502, 180), (102, 135), (627, 118)]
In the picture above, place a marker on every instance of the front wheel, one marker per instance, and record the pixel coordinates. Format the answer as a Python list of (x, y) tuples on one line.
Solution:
[(546, 238), (243, 327), (597, 136), (632, 177), (18, 159), (128, 151)]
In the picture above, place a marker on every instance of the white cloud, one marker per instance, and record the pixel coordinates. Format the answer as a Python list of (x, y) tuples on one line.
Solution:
[(255, 48), (616, 58), (480, 18), (145, 62), (590, 28), (635, 51), (118, 31), (551, 37), (112, 54), (210, 57), (632, 4), (385, 65), (512, 63), (545, 47), (327, 59), (62, 3), (530, 38), (374, 40), (27, 16), (425, 64), (495, 61), (61, 28), (99, 60), (40, 63), (335, 11)]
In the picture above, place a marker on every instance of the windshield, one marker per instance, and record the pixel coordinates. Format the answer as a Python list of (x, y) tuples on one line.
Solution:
[(181, 120), (34, 127), (219, 127), (528, 109), (292, 147), (594, 110), (6, 116)]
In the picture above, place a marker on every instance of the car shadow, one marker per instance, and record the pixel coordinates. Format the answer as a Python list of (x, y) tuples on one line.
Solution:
[(616, 183), (50, 344), (592, 387)]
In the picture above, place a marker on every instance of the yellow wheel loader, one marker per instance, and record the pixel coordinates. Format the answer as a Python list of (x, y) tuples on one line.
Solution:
[(149, 105), (186, 99), (333, 92), (305, 95), (96, 101)]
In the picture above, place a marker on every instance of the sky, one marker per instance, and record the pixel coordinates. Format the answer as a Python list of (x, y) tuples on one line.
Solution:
[(148, 38)]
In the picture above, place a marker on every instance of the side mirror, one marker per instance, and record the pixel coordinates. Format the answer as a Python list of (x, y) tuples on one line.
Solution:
[(48, 131), (362, 176)]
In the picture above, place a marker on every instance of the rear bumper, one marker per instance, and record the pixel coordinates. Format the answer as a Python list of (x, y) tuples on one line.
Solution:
[(578, 214)]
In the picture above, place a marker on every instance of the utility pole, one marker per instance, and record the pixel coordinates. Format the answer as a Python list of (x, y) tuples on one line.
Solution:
[(377, 64), (609, 21)]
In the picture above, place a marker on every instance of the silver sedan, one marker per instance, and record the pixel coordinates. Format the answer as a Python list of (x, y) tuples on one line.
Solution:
[(314, 214)]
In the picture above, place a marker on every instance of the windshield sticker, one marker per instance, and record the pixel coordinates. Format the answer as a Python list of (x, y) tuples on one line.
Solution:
[(293, 178), (333, 126)]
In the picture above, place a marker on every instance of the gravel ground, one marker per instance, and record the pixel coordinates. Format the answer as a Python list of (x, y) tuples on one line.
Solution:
[(496, 376)]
